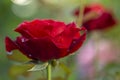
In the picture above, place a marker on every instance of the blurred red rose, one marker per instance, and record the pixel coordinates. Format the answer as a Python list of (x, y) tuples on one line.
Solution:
[(46, 39), (96, 17)]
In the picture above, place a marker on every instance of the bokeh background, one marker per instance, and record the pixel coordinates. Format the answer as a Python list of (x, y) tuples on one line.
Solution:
[(13, 12)]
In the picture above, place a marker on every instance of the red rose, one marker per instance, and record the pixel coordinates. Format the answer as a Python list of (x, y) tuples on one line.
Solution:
[(46, 39), (100, 17)]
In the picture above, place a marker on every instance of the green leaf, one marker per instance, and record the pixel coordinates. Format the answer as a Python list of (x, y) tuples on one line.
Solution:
[(65, 68), (17, 70), (39, 67), (17, 56)]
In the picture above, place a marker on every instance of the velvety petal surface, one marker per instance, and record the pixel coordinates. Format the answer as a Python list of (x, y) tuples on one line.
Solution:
[(40, 49), (64, 39), (77, 43), (46, 40), (9, 44), (40, 28), (104, 21)]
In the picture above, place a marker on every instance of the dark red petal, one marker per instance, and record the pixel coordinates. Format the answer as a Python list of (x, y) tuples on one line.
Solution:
[(97, 8), (76, 43), (64, 39), (9, 44), (58, 27), (92, 7), (104, 21), (39, 28), (22, 28), (86, 10), (40, 49), (32, 28)]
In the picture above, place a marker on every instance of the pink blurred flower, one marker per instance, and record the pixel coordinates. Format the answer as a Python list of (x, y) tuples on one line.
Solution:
[(95, 55)]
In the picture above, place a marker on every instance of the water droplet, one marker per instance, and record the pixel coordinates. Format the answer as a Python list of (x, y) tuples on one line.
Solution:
[(68, 50), (30, 55), (23, 40), (74, 42)]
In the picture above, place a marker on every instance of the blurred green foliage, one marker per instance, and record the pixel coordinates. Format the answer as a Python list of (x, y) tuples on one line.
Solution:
[(58, 9)]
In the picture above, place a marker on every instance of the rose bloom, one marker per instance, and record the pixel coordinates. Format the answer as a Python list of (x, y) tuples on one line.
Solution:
[(96, 17), (46, 39)]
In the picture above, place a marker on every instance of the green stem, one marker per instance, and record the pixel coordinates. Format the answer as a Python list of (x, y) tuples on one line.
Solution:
[(81, 13), (49, 72)]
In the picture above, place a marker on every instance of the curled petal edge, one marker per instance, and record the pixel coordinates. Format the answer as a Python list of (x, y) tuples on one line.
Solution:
[(77, 43)]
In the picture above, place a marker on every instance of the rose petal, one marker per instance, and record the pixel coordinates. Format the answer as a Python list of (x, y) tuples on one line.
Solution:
[(45, 40), (104, 21), (76, 43), (64, 39), (38, 28), (40, 49), (10, 45)]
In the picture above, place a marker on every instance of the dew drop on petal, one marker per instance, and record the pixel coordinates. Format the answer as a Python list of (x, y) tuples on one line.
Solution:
[(68, 50), (30, 55), (23, 40), (74, 42)]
